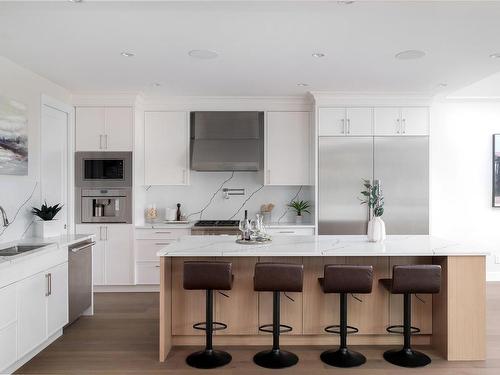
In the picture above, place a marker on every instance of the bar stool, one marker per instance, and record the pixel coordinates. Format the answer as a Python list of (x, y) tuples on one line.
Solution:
[(345, 279), (408, 280), (209, 276), (277, 278)]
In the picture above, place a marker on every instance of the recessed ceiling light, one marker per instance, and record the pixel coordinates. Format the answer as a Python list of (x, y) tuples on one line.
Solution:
[(411, 54), (127, 54), (495, 55), (301, 84), (156, 84), (203, 54), (442, 85), (318, 54)]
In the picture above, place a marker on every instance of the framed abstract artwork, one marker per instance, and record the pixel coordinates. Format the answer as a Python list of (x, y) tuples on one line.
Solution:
[(13, 137)]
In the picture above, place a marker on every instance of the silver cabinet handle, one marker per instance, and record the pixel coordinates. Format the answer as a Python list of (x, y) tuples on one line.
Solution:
[(404, 126), (398, 126), (343, 126), (287, 231), (105, 141), (160, 232), (47, 293), (50, 284), (348, 126), (106, 233), (162, 243), (83, 247), (100, 234), (157, 266)]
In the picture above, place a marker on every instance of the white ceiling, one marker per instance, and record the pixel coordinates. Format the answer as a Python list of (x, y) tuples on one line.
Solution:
[(265, 47)]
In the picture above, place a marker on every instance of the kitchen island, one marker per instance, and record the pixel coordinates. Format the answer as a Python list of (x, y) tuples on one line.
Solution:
[(452, 321)]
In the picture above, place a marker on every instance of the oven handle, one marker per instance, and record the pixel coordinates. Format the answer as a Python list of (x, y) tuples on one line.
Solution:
[(83, 247)]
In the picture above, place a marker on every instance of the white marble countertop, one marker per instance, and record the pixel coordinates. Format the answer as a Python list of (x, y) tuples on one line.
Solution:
[(396, 245), (46, 245)]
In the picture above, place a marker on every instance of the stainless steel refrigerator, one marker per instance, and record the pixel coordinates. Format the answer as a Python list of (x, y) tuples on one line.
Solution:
[(400, 163)]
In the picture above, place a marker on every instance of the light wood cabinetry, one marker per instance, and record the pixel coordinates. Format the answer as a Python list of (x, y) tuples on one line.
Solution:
[(112, 257), (354, 121), (288, 140), (401, 121), (104, 129), (166, 148)]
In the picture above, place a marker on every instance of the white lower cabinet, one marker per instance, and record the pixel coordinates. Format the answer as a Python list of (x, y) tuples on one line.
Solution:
[(32, 310), (148, 273), (113, 256)]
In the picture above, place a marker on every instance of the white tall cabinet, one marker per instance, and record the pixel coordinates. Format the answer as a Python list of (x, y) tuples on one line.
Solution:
[(104, 129), (113, 253), (288, 139), (166, 148)]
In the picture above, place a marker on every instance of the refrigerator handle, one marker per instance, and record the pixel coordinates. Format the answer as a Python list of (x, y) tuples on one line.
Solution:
[(398, 126)]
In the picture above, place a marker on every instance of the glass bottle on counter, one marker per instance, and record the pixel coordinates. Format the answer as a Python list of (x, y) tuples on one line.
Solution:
[(245, 227)]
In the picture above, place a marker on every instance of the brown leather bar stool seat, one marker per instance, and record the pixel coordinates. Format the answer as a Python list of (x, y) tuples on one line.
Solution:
[(277, 278), (208, 276), (408, 280), (344, 279)]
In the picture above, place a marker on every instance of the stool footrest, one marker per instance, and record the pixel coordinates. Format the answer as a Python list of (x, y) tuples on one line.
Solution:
[(399, 329), (336, 329), (216, 326), (269, 328)]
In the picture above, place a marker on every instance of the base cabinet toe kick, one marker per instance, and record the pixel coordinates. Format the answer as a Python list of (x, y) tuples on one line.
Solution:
[(452, 322)]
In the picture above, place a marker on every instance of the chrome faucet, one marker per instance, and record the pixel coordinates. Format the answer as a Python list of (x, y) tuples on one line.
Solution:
[(4, 217)]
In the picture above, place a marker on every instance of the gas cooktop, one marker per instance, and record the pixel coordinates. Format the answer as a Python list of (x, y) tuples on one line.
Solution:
[(217, 223)]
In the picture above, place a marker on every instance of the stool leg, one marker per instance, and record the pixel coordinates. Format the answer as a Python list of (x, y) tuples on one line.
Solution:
[(209, 358), (343, 357), (275, 358), (407, 357)]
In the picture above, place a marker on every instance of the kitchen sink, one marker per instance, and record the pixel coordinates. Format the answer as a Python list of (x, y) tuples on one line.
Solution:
[(19, 249)]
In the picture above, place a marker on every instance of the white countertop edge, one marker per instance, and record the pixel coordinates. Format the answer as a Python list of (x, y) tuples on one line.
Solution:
[(51, 244), (319, 246)]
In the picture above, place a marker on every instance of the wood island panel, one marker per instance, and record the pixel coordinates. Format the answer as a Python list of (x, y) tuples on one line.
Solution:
[(241, 310)]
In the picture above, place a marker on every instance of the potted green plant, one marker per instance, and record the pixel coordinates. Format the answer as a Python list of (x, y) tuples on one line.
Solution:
[(299, 207), (373, 197), (47, 225)]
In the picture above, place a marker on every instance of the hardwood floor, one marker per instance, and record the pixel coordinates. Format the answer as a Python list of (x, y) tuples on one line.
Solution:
[(122, 338)]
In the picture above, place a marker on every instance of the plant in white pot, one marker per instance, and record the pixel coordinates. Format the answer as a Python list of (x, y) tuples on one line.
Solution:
[(47, 225), (374, 199), (299, 207)]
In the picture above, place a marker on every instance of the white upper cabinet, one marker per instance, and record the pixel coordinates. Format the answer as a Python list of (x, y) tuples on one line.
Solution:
[(359, 121), (332, 121), (166, 146), (288, 148), (119, 129), (415, 121), (402, 121), (104, 129), (345, 121)]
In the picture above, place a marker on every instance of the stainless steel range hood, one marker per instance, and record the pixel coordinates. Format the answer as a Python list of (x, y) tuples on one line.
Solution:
[(227, 141)]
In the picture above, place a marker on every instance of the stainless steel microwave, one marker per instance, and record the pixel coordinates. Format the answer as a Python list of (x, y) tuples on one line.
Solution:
[(103, 169)]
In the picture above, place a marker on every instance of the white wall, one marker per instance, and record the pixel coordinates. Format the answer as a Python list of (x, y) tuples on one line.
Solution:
[(461, 175), (26, 87), (203, 185)]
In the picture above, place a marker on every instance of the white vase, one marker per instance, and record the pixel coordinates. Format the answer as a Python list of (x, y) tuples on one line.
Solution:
[(376, 230), (47, 228), (298, 219)]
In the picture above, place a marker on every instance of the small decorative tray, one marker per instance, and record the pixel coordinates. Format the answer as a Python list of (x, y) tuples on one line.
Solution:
[(253, 242)]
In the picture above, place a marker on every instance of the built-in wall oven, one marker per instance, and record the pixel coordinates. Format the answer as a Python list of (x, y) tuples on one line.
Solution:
[(103, 187)]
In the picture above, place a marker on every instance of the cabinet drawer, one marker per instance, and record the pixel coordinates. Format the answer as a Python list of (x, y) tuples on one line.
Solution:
[(146, 249), (291, 231), (161, 234), (8, 305), (8, 343), (148, 273)]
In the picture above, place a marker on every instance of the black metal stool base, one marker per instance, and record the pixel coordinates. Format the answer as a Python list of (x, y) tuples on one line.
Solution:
[(343, 357), (406, 358), (275, 359), (207, 359)]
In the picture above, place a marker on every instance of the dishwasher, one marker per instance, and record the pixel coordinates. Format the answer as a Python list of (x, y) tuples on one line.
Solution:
[(79, 278)]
